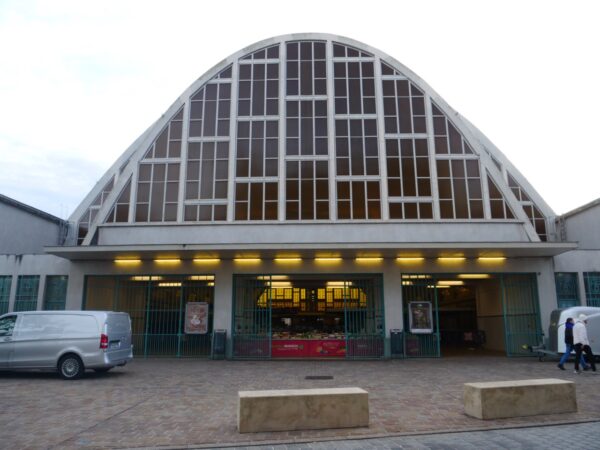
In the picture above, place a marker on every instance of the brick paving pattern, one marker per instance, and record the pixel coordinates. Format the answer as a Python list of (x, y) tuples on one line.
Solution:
[(583, 436), (193, 403)]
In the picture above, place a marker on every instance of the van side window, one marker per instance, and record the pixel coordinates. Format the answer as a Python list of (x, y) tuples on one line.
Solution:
[(56, 326), (7, 324)]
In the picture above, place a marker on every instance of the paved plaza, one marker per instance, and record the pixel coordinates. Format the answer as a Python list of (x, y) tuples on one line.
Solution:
[(188, 403)]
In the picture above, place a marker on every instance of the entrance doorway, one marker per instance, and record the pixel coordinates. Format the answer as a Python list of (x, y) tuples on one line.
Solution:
[(471, 314), (308, 316)]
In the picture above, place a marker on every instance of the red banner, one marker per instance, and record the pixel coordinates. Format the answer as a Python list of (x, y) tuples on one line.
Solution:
[(308, 348)]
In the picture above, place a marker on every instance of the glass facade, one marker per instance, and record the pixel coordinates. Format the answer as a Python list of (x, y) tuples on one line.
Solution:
[(312, 130)]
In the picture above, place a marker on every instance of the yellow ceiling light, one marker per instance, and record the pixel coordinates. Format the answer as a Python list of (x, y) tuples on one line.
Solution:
[(331, 284), (247, 260), (273, 277), (491, 259), (439, 286), (128, 261), (167, 260), (210, 283), (368, 259), (281, 284), (416, 277), (450, 282), (145, 278), (287, 259), (407, 283), (201, 277), (206, 260), (328, 259), (451, 259), (170, 284), (474, 276), (410, 259)]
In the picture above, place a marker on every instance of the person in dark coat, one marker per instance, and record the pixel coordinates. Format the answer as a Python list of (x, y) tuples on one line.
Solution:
[(569, 346)]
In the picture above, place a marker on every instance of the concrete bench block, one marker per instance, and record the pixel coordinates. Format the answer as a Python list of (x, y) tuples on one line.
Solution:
[(302, 409), (501, 399)]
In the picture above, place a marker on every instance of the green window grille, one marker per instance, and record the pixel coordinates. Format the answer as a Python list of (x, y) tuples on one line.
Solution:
[(157, 307), (27, 292), (567, 293), (521, 313), (5, 281), (592, 288), (421, 289), (55, 295)]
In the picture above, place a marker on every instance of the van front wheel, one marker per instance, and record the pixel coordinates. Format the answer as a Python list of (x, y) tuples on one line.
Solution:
[(70, 367)]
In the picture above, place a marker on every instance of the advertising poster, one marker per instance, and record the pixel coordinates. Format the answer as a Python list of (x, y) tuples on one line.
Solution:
[(196, 318), (420, 317)]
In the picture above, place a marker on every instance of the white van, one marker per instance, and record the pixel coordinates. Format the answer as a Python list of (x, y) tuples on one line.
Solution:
[(67, 341)]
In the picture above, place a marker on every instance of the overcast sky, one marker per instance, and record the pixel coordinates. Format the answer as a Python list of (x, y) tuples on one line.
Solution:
[(80, 81)]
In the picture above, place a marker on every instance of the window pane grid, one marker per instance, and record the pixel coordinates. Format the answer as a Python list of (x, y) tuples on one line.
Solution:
[(498, 205), (5, 283), (306, 127), (27, 293), (459, 186), (157, 192), (168, 143), (120, 211), (210, 110), (55, 294), (592, 288), (89, 215), (307, 190), (403, 107), (256, 201)]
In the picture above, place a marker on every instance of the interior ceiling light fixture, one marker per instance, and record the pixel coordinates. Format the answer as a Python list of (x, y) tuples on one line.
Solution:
[(474, 276), (439, 286), (128, 261), (167, 260), (170, 284), (450, 282), (369, 259), (451, 259), (287, 259), (328, 259), (206, 260), (247, 260), (201, 277), (491, 258), (410, 258)]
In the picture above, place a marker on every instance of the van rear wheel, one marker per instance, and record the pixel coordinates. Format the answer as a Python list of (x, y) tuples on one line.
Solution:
[(70, 367)]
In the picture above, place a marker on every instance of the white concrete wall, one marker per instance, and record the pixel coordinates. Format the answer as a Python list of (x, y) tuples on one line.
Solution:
[(584, 227), (344, 233), (22, 232), (42, 265)]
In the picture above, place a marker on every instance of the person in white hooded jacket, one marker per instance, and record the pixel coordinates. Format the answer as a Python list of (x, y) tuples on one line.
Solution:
[(581, 343)]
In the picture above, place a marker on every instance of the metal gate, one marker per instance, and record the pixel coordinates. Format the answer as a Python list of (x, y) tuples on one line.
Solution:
[(420, 288), (363, 318), (156, 305), (359, 300), (252, 317), (521, 313)]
